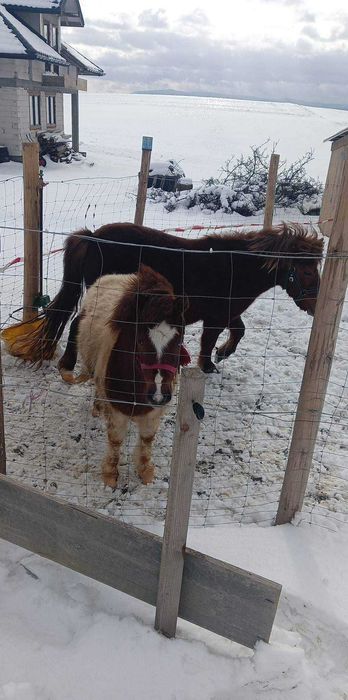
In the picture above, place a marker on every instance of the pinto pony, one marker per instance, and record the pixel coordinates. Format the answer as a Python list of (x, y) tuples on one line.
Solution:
[(129, 337), (221, 275)]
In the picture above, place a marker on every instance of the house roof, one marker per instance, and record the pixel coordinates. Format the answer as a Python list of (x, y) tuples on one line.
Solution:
[(339, 135), (69, 10), (18, 41), (42, 5), (85, 65)]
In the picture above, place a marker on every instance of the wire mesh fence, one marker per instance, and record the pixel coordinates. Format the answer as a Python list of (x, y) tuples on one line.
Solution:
[(56, 445)]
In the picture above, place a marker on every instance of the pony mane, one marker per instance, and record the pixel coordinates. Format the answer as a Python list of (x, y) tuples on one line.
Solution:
[(149, 298), (285, 240)]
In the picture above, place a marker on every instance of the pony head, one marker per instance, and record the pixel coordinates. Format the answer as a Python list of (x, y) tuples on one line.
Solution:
[(156, 321), (293, 255)]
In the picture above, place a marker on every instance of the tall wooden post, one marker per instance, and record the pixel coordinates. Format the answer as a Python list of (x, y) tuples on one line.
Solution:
[(271, 188), (320, 355), (2, 425), (179, 499), (143, 178), (32, 234), (75, 135)]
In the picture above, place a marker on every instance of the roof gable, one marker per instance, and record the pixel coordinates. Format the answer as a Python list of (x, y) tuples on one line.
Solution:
[(18, 41), (69, 10), (38, 5)]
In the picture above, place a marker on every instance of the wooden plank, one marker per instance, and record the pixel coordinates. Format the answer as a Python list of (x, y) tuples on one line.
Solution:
[(271, 189), (227, 600), (215, 595), (321, 350), (182, 470), (32, 235), (143, 178), (2, 424)]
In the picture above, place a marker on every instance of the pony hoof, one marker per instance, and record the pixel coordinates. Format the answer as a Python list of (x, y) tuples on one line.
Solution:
[(147, 474), (209, 368), (70, 378), (110, 480)]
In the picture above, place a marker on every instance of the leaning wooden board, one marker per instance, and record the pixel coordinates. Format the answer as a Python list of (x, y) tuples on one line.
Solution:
[(217, 596)]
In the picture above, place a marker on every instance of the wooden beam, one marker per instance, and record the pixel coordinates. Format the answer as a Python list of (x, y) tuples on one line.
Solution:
[(75, 135), (182, 471), (271, 189), (339, 154), (217, 596), (143, 178), (2, 424), (321, 350), (32, 234)]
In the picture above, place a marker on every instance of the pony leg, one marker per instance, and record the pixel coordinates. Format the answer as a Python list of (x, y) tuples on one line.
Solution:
[(208, 340), (237, 330), (148, 426), (117, 427), (98, 403), (67, 362)]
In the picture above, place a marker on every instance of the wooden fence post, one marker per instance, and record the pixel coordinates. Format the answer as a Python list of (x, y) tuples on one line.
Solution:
[(319, 359), (179, 500), (32, 234), (271, 188), (2, 425), (143, 178)]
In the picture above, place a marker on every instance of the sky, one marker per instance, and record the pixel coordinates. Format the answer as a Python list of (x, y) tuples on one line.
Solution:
[(284, 49)]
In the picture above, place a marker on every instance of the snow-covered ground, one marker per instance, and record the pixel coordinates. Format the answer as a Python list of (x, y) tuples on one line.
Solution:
[(70, 638)]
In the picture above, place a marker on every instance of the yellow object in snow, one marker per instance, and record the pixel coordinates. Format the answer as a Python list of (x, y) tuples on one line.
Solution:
[(18, 338)]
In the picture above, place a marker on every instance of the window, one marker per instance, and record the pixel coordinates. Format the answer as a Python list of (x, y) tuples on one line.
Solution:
[(46, 31), (54, 37), (51, 110), (50, 32), (35, 114)]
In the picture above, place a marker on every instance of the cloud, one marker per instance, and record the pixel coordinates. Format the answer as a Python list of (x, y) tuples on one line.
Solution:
[(146, 54), (156, 19), (197, 18), (311, 31)]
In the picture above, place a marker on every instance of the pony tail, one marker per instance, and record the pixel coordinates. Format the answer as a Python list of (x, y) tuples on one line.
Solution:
[(37, 341)]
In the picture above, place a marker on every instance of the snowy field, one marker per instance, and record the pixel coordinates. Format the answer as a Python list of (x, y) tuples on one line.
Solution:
[(79, 631)]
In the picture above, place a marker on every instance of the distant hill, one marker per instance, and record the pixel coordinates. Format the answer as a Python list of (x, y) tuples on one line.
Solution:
[(251, 98)]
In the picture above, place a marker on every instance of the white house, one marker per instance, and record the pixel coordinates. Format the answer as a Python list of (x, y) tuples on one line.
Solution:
[(37, 67)]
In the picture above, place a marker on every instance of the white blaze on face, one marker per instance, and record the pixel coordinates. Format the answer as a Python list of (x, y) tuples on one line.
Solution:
[(158, 393), (161, 335)]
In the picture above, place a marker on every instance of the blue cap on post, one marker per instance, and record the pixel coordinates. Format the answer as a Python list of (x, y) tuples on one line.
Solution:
[(147, 143)]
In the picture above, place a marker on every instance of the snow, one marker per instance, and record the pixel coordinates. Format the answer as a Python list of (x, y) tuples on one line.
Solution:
[(166, 167), (66, 637), (9, 42), (33, 4), (41, 48)]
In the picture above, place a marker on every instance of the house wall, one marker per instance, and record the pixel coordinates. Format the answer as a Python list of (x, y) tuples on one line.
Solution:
[(10, 119), (15, 117), (30, 18)]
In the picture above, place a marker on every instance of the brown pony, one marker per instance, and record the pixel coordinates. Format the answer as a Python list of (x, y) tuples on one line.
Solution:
[(130, 332), (221, 275)]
